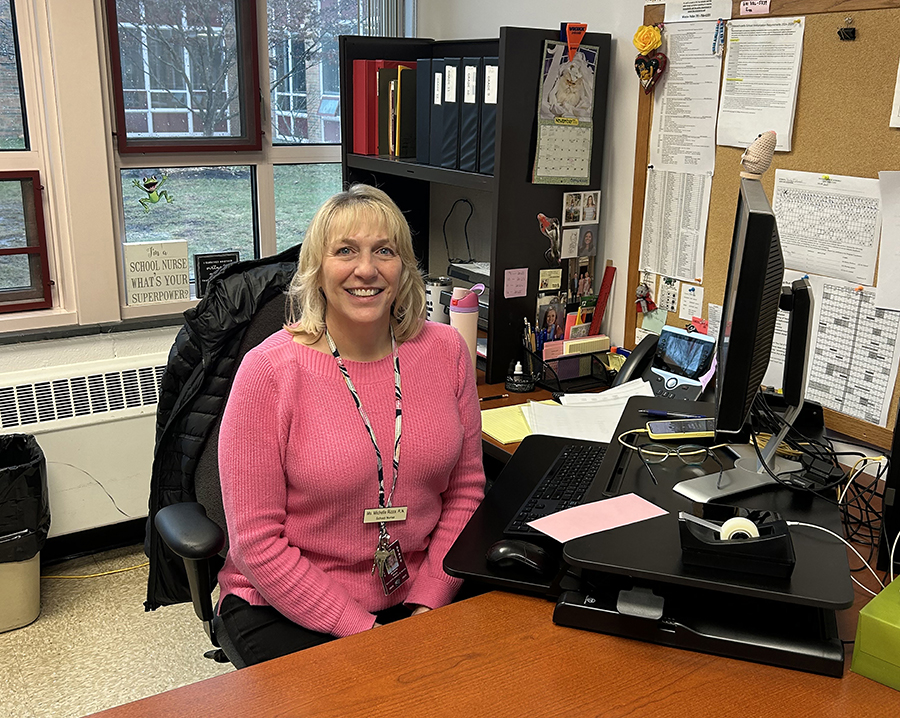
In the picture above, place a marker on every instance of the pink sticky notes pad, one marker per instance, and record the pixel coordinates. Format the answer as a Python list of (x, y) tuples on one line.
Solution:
[(597, 516)]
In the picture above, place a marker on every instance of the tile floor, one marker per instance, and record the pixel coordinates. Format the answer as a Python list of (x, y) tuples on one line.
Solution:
[(94, 646)]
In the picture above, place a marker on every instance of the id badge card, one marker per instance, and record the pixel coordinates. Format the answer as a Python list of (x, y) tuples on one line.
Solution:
[(394, 572)]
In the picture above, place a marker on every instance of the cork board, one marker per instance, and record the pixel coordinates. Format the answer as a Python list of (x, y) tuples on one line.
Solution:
[(841, 127)]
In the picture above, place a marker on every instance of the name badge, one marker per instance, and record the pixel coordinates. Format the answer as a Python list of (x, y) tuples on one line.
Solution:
[(392, 513)]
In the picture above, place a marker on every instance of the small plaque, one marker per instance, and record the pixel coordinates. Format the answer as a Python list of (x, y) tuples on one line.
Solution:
[(206, 265)]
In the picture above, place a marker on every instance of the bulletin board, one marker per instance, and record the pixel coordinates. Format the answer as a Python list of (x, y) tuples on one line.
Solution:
[(843, 86)]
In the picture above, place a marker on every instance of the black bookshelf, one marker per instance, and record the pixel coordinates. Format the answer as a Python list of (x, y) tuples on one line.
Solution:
[(516, 238)]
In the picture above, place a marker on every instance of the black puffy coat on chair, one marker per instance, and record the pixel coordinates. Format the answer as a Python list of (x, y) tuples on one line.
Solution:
[(193, 391)]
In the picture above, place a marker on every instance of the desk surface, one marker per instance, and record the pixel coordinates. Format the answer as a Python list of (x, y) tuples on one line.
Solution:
[(500, 654)]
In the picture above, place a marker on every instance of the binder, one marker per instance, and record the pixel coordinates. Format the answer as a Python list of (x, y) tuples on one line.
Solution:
[(469, 112), (437, 111), (423, 110), (406, 113), (488, 115), (364, 103), (386, 76), (449, 157)]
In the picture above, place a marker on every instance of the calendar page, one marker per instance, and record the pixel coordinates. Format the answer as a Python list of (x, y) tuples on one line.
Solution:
[(565, 115)]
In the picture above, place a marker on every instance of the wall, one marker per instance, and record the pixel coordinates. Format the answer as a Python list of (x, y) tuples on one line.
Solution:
[(464, 19)]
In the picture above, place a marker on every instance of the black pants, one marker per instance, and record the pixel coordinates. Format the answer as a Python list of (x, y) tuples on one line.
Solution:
[(253, 634)]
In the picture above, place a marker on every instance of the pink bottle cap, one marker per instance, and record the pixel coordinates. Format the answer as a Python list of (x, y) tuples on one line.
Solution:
[(466, 300)]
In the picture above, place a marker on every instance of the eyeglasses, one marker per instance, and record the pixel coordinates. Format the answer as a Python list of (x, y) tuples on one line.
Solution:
[(690, 455)]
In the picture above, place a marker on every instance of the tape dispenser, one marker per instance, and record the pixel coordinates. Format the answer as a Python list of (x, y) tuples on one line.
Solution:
[(737, 540)]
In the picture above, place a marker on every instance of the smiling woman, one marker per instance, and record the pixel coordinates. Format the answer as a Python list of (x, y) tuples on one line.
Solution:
[(324, 541)]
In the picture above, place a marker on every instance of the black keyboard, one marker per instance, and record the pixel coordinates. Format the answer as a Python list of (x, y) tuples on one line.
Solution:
[(563, 486)]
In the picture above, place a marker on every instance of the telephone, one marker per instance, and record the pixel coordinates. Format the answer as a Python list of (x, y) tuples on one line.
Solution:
[(638, 361), (672, 363)]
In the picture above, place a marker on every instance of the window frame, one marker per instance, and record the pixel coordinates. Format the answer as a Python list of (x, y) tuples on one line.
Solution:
[(250, 140), (41, 285)]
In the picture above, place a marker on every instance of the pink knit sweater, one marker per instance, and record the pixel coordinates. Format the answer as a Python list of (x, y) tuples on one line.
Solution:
[(298, 471)]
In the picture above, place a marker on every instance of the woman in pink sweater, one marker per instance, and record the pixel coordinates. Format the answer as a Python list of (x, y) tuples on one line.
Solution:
[(350, 448)]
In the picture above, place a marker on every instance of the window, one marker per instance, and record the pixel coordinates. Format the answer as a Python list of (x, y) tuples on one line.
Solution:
[(24, 269), (185, 74), (212, 209), (303, 48)]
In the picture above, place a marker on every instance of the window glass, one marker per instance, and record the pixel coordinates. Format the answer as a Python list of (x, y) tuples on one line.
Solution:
[(180, 63), (209, 207), (14, 273), (12, 216), (304, 66), (299, 192), (12, 111)]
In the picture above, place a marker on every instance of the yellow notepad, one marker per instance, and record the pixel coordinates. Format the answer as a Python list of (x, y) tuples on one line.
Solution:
[(506, 424)]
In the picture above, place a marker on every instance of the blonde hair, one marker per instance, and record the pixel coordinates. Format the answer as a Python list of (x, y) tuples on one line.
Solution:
[(361, 206)]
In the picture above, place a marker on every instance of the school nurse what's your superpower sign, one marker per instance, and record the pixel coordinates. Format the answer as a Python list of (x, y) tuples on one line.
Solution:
[(157, 272)]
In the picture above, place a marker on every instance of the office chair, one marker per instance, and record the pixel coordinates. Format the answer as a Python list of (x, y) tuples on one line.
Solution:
[(196, 530)]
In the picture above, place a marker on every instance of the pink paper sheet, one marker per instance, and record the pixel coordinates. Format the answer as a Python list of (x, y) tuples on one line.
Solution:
[(597, 516)]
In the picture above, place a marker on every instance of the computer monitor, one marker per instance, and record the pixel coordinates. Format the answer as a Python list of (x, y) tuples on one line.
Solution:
[(750, 308), (753, 294)]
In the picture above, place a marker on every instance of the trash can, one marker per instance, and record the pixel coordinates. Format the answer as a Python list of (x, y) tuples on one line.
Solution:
[(24, 524)]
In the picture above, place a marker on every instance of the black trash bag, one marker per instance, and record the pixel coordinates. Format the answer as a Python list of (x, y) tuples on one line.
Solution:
[(24, 506)]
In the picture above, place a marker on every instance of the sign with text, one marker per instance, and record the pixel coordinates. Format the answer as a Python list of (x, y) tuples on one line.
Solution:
[(157, 272), (206, 265)]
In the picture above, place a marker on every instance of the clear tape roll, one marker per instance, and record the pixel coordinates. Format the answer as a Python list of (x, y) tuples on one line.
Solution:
[(738, 528)]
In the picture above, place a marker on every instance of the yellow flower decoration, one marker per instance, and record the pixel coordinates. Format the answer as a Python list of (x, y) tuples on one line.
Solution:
[(647, 38)]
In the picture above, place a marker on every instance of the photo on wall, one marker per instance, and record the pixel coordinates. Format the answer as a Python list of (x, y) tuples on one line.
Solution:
[(550, 318), (581, 207), (587, 240)]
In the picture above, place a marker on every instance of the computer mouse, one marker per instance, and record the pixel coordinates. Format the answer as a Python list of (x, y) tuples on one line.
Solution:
[(513, 552)]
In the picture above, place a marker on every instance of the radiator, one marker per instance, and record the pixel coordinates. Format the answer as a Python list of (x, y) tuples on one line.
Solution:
[(95, 423)]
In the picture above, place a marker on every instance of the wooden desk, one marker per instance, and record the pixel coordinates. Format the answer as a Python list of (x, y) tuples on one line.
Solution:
[(500, 655)]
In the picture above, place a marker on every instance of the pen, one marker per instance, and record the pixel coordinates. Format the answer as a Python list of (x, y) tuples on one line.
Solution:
[(491, 398), (658, 413)]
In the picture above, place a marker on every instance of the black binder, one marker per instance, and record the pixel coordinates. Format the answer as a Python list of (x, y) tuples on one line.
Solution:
[(436, 96), (424, 100), (449, 157), (489, 94), (386, 110), (407, 126), (469, 112)]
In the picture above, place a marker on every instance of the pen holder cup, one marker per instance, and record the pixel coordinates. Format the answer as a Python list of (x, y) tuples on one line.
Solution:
[(569, 373)]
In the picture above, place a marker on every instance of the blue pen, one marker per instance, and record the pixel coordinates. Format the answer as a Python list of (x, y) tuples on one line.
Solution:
[(659, 414)]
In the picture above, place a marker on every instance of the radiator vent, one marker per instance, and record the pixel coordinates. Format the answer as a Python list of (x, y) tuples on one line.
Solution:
[(105, 391)]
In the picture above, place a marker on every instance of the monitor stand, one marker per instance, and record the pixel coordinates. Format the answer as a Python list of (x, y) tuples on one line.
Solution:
[(748, 472)]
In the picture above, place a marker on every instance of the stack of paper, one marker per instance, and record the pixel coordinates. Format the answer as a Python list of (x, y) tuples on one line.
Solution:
[(584, 416)]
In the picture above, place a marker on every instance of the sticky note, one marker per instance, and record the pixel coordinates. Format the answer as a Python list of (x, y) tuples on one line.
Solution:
[(597, 516), (515, 283), (701, 325), (754, 7), (654, 321)]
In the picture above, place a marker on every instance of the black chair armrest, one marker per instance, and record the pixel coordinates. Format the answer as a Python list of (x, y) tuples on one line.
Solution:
[(188, 532), (186, 529)]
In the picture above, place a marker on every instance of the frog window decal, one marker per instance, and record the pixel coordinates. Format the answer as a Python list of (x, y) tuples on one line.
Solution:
[(151, 185)]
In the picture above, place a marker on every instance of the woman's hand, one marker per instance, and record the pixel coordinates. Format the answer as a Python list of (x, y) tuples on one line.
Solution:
[(419, 609)]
